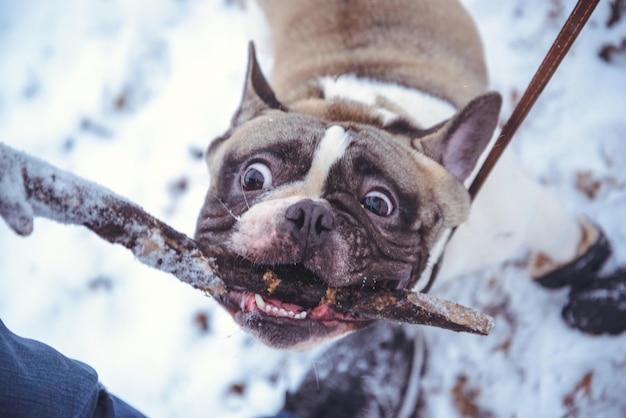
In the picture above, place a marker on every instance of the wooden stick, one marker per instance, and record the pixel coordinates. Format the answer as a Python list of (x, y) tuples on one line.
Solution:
[(30, 187)]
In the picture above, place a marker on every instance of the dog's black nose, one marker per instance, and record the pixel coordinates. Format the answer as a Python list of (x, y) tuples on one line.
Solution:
[(309, 222)]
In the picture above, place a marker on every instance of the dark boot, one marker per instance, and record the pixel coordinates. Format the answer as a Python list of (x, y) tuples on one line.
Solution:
[(599, 307), (584, 268)]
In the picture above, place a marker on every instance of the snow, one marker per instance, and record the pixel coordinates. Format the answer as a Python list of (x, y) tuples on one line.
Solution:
[(127, 93)]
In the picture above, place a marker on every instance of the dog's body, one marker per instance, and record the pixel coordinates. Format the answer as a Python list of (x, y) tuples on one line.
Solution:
[(353, 166), (432, 47)]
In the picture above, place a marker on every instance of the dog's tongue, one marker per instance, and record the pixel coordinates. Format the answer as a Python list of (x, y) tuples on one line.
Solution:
[(322, 312)]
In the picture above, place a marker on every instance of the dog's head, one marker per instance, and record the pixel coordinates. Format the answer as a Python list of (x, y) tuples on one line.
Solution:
[(331, 190)]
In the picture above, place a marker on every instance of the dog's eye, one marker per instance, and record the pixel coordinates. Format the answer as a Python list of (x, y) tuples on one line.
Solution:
[(378, 203), (257, 176)]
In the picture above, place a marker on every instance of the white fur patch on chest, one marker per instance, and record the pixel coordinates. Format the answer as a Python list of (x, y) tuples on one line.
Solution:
[(425, 109), (329, 150)]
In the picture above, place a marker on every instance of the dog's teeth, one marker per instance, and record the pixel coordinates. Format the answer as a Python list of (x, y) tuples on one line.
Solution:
[(259, 301), (273, 310)]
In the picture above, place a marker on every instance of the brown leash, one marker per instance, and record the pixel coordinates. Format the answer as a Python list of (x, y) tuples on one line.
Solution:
[(562, 44)]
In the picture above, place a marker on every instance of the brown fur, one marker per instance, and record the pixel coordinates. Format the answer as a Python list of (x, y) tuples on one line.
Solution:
[(398, 41)]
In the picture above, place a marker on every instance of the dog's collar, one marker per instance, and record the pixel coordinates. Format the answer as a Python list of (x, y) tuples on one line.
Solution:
[(429, 274)]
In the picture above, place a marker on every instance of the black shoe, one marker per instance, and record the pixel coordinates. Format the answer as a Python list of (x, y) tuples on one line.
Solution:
[(585, 267), (371, 373), (600, 306)]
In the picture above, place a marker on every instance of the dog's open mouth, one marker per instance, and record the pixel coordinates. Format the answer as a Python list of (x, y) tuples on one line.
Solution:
[(287, 325), (293, 310), (247, 303)]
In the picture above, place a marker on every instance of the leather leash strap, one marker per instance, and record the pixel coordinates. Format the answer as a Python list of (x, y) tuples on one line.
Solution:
[(572, 27), (562, 44)]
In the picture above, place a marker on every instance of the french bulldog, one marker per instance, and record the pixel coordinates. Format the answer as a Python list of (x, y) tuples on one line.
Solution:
[(352, 167)]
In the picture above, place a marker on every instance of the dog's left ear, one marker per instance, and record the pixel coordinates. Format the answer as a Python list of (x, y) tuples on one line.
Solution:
[(458, 144), (257, 93)]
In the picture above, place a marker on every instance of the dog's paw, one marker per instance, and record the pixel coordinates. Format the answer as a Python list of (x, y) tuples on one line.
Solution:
[(583, 268), (600, 306)]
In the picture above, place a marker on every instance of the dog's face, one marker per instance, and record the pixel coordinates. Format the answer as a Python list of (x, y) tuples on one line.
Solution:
[(329, 190)]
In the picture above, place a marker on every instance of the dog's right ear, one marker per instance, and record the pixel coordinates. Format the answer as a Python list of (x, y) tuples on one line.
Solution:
[(257, 93), (458, 144)]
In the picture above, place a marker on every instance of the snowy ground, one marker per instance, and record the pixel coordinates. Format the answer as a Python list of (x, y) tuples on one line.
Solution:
[(128, 94)]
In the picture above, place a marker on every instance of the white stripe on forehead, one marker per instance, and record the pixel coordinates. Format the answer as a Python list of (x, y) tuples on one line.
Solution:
[(329, 150)]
